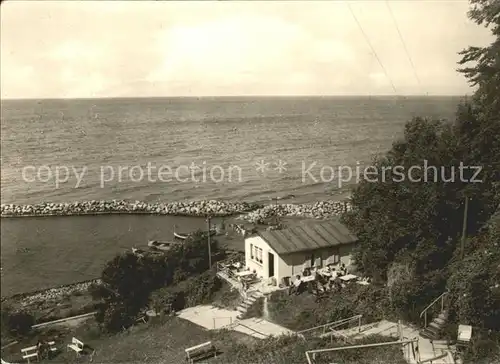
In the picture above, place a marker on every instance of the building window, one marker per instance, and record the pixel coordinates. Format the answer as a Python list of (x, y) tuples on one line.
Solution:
[(334, 257), (256, 254)]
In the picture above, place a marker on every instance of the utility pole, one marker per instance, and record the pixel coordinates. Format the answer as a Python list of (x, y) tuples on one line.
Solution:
[(464, 228), (276, 220), (209, 244)]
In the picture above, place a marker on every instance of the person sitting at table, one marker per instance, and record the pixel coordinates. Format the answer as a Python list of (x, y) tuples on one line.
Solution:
[(334, 273), (294, 288)]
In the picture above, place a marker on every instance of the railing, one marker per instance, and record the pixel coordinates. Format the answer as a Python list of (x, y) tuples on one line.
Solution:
[(437, 357), (43, 324), (311, 354), (424, 312), (450, 357), (332, 325)]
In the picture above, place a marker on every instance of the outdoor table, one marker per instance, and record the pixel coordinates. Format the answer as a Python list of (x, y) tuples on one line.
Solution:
[(244, 273), (348, 277), (307, 279), (334, 275), (325, 272)]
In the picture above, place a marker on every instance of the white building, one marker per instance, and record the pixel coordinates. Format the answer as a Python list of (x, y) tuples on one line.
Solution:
[(287, 252)]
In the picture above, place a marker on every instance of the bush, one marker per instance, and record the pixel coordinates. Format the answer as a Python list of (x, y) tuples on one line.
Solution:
[(304, 311), (191, 292), (16, 323), (128, 280), (256, 309), (227, 297), (116, 316), (201, 289), (162, 298), (291, 349)]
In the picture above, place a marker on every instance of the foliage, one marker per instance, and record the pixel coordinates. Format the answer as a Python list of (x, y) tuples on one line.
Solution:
[(129, 279), (193, 291), (474, 283), (165, 297), (291, 349), (419, 224), (16, 322), (227, 297), (256, 309), (486, 71), (484, 348), (304, 311)]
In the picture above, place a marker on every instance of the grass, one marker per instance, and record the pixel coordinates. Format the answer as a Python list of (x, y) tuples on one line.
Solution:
[(227, 297), (291, 350), (156, 342), (164, 342), (300, 312), (45, 310)]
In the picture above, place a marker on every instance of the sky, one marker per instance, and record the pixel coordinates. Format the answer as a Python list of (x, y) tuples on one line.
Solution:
[(85, 49)]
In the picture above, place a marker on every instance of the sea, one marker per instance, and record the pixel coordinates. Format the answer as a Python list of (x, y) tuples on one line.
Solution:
[(298, 149)]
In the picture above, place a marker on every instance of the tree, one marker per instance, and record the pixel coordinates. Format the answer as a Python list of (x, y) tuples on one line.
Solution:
[(486, 72), (474, 283), (128, 279), (16, 322), (419, 224)]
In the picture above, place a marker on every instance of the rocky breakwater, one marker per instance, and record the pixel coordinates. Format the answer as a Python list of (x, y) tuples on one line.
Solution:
[(191, 208), (51, 294), (317, 210)]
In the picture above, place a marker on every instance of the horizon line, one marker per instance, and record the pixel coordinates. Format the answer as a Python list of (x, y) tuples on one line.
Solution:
[(232, 96)]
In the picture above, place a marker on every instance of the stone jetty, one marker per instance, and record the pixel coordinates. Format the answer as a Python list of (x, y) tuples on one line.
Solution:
[(50, 294), (191, 208), (317, 210), (252, 212)]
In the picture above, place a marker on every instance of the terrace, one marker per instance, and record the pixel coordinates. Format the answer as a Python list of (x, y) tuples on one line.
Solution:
[(243, 279)]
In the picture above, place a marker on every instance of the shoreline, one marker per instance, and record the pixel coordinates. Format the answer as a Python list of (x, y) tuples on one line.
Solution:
[(252, 212), (51, 292)]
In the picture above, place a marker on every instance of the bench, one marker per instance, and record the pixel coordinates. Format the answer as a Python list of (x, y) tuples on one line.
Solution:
[(31, 352), (201, 351), (52, 346), (76, 345)]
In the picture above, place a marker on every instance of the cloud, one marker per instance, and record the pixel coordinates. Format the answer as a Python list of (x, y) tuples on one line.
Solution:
[(90, 49), (74, 51)]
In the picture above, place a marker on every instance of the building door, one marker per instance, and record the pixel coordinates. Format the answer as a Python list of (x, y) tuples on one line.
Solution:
[(271, 264)]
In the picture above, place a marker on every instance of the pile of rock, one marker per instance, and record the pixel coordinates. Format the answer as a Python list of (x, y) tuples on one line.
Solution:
[(317, 210), (191, 208), (54, 293)]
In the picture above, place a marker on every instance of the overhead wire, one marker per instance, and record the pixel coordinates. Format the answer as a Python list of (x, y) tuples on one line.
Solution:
[(404, 44), (367, 39)]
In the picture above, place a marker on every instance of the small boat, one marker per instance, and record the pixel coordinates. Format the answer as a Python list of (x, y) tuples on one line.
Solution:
[(181, 236), (184, 236), (138, 251), (160, 245)]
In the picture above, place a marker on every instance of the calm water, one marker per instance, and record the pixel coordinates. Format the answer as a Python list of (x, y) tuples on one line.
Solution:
[(114, 133), (95, 137)]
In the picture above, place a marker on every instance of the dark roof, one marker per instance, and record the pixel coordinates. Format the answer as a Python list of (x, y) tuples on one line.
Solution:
[(308, 236)]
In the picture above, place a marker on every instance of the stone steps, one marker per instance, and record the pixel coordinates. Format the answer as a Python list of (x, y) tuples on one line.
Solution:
[(427, 348), (434, 329), (247, 303)]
